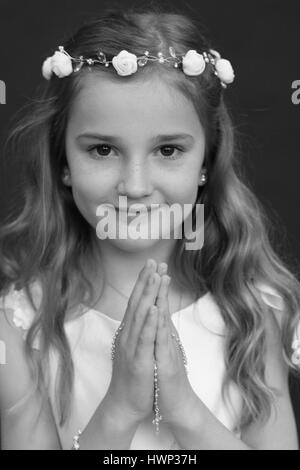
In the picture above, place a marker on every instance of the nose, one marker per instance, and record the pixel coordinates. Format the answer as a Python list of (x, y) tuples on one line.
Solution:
[(135, 180)]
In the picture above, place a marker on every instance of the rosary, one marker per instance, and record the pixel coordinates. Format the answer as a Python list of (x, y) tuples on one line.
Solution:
[(157, 415)]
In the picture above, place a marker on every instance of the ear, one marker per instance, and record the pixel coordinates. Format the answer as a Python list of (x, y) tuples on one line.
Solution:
[(66, 177)]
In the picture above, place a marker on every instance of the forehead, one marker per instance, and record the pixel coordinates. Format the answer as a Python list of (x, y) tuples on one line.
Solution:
[(120, 106)]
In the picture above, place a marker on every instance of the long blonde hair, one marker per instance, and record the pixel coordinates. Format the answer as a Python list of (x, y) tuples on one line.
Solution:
[(49, 239)]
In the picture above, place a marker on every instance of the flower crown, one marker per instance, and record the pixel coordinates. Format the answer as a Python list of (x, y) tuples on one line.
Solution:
[(126, 63)]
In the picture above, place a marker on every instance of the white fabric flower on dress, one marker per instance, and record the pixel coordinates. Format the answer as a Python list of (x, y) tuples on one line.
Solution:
[(193, 63), (23, 314), (59, 63), (224, 70), (125, 63)]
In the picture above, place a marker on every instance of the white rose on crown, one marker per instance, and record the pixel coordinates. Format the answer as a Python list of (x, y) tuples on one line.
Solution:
[(59, 63), (47, 68), (224, 70), (125, 63), (193, 63)]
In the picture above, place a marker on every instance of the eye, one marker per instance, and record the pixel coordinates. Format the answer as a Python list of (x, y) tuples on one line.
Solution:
[(103, 150), (168, 151)]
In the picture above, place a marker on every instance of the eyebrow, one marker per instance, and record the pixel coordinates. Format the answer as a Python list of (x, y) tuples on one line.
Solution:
[(158, 138)]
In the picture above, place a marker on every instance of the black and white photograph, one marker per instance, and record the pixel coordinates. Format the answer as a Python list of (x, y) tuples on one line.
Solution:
[(149, 294)]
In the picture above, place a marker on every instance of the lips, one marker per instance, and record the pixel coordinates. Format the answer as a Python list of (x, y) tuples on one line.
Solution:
[(132, 211)]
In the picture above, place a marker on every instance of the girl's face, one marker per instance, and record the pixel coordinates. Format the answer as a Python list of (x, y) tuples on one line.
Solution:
[(139, 139)]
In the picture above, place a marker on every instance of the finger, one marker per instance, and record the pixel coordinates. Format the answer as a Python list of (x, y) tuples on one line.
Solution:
[(161, 341), (147, 300), (162, 300), (163, 303), (146, 340), (162, 268), (148, 269)]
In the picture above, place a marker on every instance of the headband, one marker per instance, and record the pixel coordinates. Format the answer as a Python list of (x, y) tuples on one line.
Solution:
[(125, 63)]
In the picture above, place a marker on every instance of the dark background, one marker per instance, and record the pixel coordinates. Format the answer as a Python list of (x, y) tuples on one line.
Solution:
[(261, 38)]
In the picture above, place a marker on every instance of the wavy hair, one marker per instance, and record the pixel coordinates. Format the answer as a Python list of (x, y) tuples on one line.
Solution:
[(49, 239)]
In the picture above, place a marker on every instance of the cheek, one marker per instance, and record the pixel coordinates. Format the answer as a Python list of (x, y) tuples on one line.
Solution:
[(89, 190), (92, 183), (90, 179), (182, 180), (183, 190)]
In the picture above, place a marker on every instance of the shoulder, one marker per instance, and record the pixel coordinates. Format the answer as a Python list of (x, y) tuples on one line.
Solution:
[(211, 317), (16, 315), (275, 312), (276, 367), (26, 416), (279, 431), (274, 302), (270, 296)]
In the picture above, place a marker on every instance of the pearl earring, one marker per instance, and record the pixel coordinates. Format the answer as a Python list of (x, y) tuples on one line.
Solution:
[(66, 175), (203, 179)]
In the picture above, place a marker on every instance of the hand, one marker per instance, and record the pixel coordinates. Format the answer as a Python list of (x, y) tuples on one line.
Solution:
[(131, 387), (176, 397)]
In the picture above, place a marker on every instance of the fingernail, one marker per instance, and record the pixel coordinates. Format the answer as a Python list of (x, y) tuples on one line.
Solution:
[(149, 263), (163, 268), (151, 280), (167, 280)]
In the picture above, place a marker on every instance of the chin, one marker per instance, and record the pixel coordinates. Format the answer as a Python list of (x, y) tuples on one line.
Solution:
[(133, 246)]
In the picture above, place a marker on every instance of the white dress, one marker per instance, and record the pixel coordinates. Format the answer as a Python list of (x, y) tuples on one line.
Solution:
[(201, 330)]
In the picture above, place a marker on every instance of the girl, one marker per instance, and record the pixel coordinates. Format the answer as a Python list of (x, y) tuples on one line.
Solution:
[(124, 343)]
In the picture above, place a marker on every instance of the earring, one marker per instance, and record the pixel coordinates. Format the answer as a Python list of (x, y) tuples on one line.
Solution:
[(203, 179), (66, 176)]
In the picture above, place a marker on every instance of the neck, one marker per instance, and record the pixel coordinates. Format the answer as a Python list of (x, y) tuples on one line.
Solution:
[(116, 271), (121, 268)]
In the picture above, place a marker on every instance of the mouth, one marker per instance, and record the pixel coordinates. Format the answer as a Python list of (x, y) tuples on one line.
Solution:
[(136, 211)]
